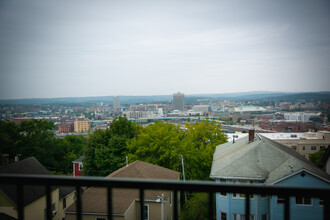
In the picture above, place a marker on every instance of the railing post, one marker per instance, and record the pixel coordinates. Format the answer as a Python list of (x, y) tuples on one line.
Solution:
[(78, 191), (211, 211), (20, 201), (326, 209), (48, 203), (176, 212), (142, 204), (287, 207), (109, 194), (247, 206)]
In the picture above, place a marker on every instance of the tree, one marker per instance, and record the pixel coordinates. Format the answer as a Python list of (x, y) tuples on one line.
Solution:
[(163, 143), (9, 138), (106, 149), (316, 158), (159, 144), (197, 208)]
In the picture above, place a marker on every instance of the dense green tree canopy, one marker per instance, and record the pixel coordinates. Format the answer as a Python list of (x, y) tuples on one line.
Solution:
[(34, 138), (163, 143), (106, 150)]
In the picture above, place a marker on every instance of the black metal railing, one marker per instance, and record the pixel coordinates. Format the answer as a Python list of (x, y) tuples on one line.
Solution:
[(175, 186)]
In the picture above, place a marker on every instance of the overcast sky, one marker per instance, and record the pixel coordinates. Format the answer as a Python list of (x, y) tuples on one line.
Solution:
[(67, 48)]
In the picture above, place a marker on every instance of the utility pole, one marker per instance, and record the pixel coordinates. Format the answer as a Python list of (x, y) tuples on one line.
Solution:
[(183, 175)]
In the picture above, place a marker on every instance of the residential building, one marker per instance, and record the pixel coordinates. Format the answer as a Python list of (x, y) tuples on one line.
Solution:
[(81, 125), (178, 101), (258, 160), (126, 204), (34, 196), (78, 166), (305, 143)]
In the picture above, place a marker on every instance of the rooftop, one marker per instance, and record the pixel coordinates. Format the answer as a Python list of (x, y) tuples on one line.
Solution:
[(263, 159)]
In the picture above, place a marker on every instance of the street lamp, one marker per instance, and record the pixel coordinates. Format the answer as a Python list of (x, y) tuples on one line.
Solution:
[(161, 200)]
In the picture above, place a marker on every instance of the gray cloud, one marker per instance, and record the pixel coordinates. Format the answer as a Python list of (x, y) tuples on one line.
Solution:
[(95, 48)]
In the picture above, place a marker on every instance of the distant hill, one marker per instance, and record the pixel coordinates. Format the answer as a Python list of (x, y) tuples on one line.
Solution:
[(189, 99)]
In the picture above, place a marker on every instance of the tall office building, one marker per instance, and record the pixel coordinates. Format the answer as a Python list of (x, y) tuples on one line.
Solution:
[(116, 103), (178, 101)]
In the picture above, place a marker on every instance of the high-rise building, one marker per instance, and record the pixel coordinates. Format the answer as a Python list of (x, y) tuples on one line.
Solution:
[(178, 101), (116, 103)]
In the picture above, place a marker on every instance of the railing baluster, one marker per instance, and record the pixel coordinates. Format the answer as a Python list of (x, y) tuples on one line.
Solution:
[(247, 206), (20, 201), (211, 212), (326, 209), (78, 191), (142, 204), (176, 211), (109, 191), (287, 208), (48, 203)]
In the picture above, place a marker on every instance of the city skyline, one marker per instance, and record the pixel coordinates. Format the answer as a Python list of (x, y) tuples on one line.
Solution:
[(108, 48)]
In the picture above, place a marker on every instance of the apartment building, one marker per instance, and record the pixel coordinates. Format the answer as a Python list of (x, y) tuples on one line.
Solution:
[(81, 125)]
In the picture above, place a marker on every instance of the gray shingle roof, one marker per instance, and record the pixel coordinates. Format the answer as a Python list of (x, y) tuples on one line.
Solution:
[(27, 166), (262, 159), (94, 199)]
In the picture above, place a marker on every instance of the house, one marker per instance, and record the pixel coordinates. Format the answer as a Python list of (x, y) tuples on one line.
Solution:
[(126, 204), (78, 166), (34, 196), (255, 159)]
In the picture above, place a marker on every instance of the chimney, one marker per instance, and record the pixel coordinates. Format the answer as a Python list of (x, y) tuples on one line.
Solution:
[(251, 135)]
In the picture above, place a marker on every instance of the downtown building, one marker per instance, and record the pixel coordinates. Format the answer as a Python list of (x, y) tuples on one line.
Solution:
[(178, 101)]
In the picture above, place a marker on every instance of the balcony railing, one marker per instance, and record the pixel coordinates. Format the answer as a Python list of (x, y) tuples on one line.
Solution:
[(175, 186)]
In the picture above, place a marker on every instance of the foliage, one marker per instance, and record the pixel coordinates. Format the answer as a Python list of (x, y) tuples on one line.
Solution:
[(34, 138), (163, 143), (106, 149), (316, 158), (196, 208)]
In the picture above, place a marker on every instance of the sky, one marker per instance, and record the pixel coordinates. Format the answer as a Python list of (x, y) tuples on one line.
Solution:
[(78, 48)]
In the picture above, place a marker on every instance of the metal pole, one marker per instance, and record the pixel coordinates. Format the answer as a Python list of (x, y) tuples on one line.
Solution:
[(183, 175), (126, 160), (162, 203)]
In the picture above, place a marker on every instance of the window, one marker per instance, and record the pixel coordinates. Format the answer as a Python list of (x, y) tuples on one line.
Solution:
[(294, 147), (322, 147), (64, 203), (146, 212), (263, 196), (264, 217), (241, 195), (100, 219), (303, 200), (242, 217), (223, 194), (313, 147), (304, 148), (280, 200), (80, 166), (321, 201), (223, 216)]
